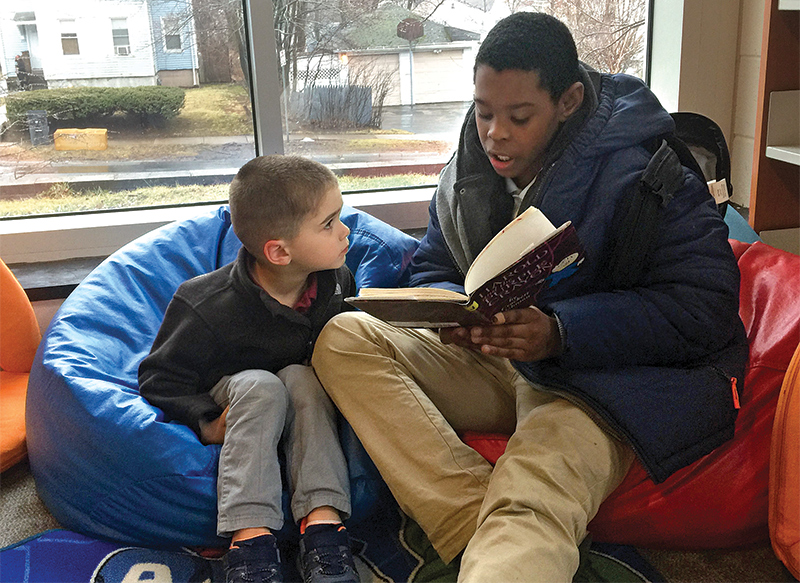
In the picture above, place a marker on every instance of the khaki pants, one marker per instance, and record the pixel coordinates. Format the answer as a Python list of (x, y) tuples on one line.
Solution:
[(407, 396)]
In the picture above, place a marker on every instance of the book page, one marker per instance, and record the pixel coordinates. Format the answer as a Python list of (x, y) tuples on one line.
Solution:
[(411, 293), (522, 234)]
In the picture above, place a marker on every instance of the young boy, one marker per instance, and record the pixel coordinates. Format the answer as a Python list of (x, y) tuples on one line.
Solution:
[(597, 372), (231, 361)]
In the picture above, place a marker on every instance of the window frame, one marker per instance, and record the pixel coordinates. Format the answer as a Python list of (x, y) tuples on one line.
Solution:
[(71, 34), (115, 36), (177, 30)]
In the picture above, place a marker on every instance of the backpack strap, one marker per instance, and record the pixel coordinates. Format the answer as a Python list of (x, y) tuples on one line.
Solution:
[(661, 179)]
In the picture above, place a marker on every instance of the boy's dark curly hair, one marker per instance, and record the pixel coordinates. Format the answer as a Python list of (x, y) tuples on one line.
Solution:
[(533, 41)]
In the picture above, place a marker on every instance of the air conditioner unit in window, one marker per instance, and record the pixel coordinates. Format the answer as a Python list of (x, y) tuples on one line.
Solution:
[(123, 50)]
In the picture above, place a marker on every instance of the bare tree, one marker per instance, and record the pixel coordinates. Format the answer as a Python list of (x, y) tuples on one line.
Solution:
[(218, 25), (609, 34), (379, 80)]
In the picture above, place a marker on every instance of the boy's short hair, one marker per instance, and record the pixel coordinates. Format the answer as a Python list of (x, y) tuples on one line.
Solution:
[(271, 195), (533, 41)]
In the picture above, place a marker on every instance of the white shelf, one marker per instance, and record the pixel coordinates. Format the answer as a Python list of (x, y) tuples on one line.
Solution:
[(783, 126), (790, 154), (788, 4)]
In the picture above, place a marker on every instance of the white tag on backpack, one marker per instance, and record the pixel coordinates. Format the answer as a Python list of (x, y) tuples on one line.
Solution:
[(719, 190)]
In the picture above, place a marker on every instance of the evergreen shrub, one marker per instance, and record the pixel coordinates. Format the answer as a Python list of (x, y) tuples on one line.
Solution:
[(87, 105)]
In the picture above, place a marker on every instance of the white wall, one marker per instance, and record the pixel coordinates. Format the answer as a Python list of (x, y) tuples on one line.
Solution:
[(706, 60), (746, 98), (440, 74)]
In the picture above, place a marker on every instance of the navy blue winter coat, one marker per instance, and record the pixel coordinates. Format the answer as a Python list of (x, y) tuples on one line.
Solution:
[(656, 361)]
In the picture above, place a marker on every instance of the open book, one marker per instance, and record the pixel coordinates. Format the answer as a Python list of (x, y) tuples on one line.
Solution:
[(528, 255)]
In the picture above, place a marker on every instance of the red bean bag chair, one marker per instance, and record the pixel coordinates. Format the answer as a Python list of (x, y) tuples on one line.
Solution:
[(721, 500)]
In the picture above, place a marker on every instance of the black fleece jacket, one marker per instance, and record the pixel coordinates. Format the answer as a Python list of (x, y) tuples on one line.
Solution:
[(222, 323)]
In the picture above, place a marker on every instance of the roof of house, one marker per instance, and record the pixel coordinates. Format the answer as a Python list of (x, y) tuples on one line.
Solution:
[(379, 29)]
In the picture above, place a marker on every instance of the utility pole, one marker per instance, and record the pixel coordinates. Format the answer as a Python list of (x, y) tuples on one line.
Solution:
[(410, 29)]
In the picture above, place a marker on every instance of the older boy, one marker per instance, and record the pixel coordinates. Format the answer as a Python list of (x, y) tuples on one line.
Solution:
[(597, 372), (231, 362)]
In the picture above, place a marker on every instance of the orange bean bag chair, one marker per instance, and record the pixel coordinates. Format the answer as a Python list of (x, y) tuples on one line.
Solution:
[(19, 338), (722, 499), (784, 472)]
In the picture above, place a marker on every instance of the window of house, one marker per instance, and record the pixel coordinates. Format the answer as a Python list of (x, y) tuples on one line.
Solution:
[(172, 33), (69, 38), (119, 34)]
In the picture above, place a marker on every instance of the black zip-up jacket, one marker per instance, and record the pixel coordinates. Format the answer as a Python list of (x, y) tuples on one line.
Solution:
[(222, 323)]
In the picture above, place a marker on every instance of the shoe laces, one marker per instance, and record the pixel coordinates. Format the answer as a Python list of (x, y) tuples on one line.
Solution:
[(330, 561)]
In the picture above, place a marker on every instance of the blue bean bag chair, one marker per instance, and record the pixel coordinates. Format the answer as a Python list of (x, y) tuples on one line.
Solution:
[(106, 462)]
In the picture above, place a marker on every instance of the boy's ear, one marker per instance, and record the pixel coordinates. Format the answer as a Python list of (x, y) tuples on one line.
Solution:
[(276, 252), (570, 100)]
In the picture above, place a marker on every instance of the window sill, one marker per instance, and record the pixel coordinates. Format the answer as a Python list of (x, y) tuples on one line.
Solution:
[(51, 255)]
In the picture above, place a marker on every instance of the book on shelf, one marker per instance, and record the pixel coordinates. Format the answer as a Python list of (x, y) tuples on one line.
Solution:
[(525, 257)]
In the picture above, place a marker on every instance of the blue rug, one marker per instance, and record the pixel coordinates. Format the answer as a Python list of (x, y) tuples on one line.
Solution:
[(391, 549)]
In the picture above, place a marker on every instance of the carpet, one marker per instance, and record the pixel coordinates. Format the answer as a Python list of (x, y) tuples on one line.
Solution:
[(389, 548)]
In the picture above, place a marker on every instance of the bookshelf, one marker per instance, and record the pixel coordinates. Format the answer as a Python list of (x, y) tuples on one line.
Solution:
[(775, 186)]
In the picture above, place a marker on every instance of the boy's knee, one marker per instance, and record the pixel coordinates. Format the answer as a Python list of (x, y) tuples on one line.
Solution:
[(343, 333), (304, 388), (338, 325), (258, 388)]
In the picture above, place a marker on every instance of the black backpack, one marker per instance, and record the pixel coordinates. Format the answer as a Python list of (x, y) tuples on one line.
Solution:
[(706, 142), (698, 144)]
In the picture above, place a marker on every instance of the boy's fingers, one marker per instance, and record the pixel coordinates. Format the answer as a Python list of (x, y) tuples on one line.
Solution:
[(518, 316)]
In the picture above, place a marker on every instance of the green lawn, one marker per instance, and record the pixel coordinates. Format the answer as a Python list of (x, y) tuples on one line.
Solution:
[(213, 110)]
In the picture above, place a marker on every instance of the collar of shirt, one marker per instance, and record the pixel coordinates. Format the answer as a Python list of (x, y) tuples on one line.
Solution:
[(518, 194), (304, 302)]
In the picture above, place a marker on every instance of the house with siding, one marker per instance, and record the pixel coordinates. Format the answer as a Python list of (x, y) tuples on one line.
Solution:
[(105, 43), (432, 68)]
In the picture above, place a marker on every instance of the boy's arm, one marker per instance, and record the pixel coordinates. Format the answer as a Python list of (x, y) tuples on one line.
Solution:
[(685, 306), (349, 287), (175, 375)]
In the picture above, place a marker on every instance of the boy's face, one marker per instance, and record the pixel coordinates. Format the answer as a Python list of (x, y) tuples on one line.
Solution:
[(321, 243), (516, 120)]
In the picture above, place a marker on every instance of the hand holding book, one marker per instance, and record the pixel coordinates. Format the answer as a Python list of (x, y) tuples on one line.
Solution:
[(525, 334), (528, 255)]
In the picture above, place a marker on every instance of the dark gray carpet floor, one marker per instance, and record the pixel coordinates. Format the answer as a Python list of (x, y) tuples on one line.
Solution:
[(22, 515)]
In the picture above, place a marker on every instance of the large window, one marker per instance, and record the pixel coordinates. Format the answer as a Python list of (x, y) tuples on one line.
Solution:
[(375, 89)]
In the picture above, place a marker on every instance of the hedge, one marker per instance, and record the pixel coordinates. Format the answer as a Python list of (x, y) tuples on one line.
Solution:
[(87, 103)]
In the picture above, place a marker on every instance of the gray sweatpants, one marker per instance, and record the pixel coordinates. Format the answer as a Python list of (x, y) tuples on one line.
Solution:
[(289, 410)]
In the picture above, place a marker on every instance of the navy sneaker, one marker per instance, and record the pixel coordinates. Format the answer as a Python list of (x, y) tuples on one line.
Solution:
[(255, 560), (325, 555)]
